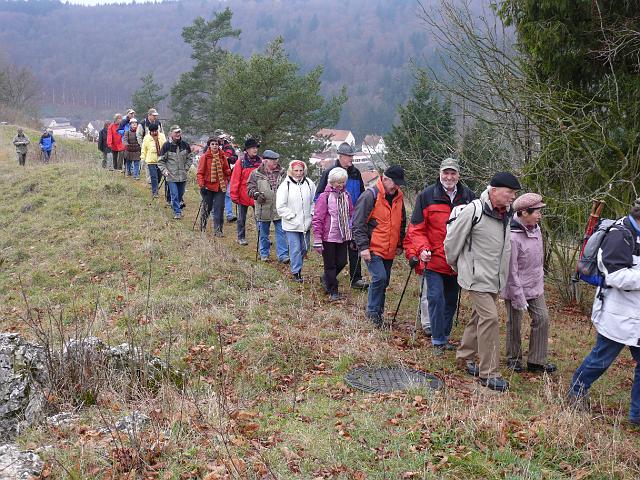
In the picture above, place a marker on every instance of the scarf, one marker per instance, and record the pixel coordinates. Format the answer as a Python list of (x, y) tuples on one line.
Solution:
[(157, 142), (216, 169), (273, 177), (343, 216)]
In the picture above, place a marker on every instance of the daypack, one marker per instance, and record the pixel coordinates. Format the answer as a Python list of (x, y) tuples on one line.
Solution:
[(455, 212), (587, 268)]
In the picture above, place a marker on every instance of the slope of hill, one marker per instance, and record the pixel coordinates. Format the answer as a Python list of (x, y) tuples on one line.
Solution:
[(90, 59), (263, 396)]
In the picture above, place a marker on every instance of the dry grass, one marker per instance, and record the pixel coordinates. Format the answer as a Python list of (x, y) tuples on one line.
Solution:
[(264, 358)]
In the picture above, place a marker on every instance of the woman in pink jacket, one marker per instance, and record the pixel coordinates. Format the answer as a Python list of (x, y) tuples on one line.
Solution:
[(525, 287), (332, 229)]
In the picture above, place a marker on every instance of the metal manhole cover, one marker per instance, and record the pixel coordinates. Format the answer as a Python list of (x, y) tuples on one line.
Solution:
[(390, 379)]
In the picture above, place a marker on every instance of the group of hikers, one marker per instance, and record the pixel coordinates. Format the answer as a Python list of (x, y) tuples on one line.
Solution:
[(489, 246), (21, 142)]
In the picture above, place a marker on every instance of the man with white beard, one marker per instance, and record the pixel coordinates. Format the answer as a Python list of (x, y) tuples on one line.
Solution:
[(425, 241)]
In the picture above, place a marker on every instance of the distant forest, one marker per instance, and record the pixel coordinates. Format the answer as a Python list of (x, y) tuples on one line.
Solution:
[(90, 59)]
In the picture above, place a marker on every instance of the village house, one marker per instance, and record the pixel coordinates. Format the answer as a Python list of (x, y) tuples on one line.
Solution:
[(332, 138), (61, 127), (374, 144)]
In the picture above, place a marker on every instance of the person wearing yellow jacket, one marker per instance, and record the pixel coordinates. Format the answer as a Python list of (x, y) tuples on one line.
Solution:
[(151, 146)]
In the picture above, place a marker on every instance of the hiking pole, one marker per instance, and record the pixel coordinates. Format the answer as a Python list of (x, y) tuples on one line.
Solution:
[(458, 305), (257, 232), (419, 315), (197, 215), (412, 263)]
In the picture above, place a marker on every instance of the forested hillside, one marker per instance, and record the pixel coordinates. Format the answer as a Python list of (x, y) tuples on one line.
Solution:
[(90, 59)]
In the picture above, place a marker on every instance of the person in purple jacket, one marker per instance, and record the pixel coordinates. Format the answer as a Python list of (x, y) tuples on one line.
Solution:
[(524, 290), (332, 229)]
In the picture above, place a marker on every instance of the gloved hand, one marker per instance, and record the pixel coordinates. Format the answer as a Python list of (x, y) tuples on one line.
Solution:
[(260, 197), (318, 248), (413, 261)]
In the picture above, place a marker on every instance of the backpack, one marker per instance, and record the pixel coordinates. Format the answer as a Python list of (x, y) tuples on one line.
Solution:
[(587, 267), (455, 212)]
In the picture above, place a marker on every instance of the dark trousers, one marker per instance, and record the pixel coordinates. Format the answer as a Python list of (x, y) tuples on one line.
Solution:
[(442, 294), (22, 158), (212, 204), (118, 157), (355, 266), (242, 221), (334, 256)]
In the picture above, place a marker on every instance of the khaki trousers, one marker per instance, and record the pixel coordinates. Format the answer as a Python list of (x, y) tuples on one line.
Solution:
[(539, 337), (482, 334)]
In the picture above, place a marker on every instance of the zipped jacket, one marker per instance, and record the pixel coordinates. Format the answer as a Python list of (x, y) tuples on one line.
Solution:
[(176, 159), (326, 223), (205, 166), (480, 253), (148, 152), (259, 182), (354, 184), (294, 203), (114, 139), (21, 142), (240, 177)]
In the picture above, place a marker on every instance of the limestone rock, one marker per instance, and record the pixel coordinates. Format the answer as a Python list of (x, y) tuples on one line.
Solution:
[(18, 465)]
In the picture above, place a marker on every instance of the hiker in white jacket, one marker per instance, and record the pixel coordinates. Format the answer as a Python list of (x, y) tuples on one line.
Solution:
[(294, 203)]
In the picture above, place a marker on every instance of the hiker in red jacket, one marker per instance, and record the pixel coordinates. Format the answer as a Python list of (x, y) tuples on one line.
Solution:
[(238, 186), (114, 142), (213, 175)]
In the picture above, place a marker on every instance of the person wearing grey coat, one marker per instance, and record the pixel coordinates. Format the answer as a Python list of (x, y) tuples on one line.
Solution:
[(21, 142), (174, 162)]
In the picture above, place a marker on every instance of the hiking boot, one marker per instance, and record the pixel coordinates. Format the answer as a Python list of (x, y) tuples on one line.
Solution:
[(218, 233), (360, 285), (376, 319), (427, 330), (177, 216), (284, 260), (243, 241), (231, 219), (335, 297), (546, 368), (515, 365), (468, 366), (497, 384), (297, 277)]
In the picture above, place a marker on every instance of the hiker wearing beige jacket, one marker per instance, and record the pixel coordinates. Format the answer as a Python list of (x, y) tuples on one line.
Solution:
[(478, 247)]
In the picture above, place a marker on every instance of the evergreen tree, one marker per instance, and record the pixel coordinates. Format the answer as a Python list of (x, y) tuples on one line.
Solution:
[(193, 97), (266, 97), (423, 136), (149, 95)]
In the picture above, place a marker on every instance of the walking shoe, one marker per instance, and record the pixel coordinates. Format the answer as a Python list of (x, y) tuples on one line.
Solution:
[(231, 219), (515, 365), (218, 233), (283, 260), (243, 241), (297, 277), (427, 330), (376, 319), (360, 285), (177, 216), (546, 368), (469, 367), (444, 347), (264, 259), (335, 297), (498, 384)]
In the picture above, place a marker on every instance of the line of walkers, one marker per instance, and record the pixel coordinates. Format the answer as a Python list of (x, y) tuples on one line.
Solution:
[(21, 143)]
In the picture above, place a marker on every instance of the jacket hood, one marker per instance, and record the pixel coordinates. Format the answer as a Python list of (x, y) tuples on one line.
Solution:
[(289, 170)]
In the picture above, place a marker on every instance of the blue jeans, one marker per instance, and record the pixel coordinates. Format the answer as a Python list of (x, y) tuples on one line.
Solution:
[(298, 246), (228, 204), (596, 363), (154, 175), (380, 273), (442, 294), (133, 167), (281, 241), (176, 190)]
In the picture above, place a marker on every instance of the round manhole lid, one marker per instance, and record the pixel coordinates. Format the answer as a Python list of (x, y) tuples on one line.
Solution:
[(390, 379)]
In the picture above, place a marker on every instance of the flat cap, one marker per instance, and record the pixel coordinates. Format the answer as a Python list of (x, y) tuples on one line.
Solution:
[(505, 179), (270, 155), (346, 149), (528, 200), (131, 110)]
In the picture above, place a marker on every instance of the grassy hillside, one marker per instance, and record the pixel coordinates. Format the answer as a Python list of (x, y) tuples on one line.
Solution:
[(263, 395)]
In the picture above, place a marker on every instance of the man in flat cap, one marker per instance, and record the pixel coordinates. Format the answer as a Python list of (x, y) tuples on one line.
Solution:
[(478, 247), (524, 291)]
